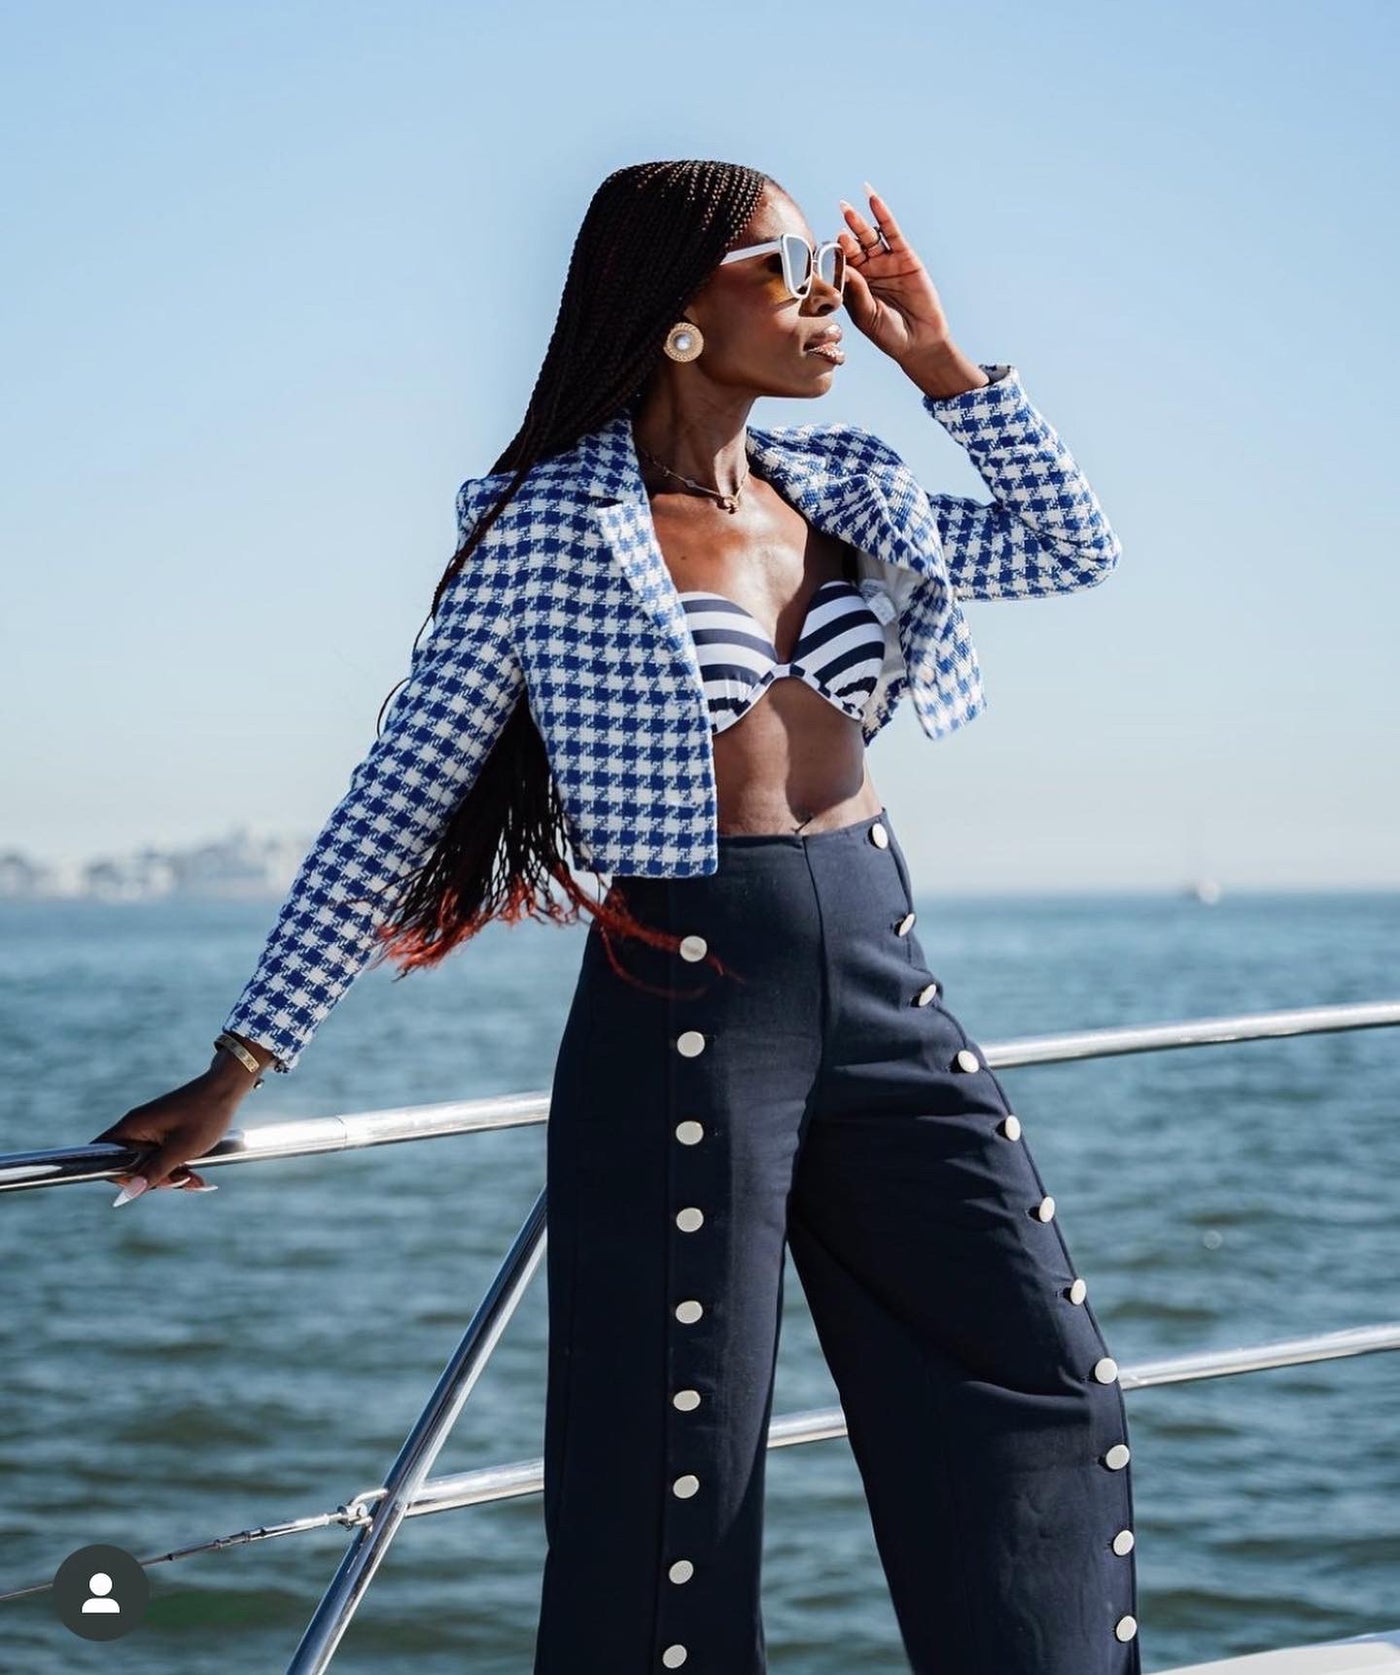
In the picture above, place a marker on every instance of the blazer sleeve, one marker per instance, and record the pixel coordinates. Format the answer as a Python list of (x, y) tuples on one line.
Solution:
[(462, 686), (1044, 530)]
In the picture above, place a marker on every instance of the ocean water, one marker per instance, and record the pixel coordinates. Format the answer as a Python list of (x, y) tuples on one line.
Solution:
[(194, 1365)]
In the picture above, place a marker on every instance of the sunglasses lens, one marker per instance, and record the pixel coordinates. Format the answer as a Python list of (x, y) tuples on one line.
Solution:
[(832, 266), (797, 264)]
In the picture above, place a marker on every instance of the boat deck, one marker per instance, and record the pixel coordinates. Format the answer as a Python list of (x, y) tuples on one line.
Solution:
[(1335, 1657)]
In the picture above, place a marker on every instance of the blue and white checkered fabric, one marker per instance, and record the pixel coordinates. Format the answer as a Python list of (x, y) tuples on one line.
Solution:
[(568, 601)]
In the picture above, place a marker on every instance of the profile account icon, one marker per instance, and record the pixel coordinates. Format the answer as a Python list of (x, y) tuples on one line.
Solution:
[(99, 1597), (101, 1592)]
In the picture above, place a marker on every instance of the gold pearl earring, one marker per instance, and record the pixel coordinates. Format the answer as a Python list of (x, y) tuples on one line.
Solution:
[(683, 341)]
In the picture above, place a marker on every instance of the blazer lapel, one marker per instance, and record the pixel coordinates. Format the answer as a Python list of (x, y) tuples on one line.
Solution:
[(879, 510)]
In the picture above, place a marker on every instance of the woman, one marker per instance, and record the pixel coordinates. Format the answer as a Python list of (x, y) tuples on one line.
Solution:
[(674, 641)]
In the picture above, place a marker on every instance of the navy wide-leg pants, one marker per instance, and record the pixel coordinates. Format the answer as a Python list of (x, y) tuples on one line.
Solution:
[(816, 1094)]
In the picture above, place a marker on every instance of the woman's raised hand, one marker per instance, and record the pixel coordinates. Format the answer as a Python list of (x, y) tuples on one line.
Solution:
[(889, 295)]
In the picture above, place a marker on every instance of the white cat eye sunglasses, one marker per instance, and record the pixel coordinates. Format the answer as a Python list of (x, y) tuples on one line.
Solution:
[(800, 261)]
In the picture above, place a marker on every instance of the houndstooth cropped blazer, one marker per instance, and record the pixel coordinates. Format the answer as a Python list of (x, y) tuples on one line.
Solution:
[(568, 602)]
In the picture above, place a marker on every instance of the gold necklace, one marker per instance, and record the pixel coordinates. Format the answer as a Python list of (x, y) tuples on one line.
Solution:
[(730, 502)]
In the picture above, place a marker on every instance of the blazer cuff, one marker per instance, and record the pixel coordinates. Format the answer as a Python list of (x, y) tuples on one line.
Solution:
[(972, 408)]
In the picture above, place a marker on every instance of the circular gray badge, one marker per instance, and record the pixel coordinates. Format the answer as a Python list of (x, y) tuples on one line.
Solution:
[(100, 1592)]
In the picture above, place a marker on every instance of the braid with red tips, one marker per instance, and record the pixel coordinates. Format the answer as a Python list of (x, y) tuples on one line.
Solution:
[(652, 234)]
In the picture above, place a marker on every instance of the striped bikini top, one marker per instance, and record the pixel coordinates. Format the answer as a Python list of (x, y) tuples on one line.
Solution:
[(839, 652)]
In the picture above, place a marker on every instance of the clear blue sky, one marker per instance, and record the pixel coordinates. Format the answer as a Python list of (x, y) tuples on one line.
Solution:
[(279, 277)]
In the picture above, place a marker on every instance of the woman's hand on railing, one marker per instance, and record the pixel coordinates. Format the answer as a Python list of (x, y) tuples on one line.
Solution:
[(184, 1123)]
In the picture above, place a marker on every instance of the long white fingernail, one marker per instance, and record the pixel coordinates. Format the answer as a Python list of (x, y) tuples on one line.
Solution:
[(133, 1189), (209, 1186)]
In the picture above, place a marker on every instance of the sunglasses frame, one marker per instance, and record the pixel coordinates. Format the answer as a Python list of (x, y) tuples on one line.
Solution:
[(785, 244)]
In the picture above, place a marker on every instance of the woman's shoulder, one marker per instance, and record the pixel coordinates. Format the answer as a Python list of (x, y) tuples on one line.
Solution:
[(836, 443), (544, 479)]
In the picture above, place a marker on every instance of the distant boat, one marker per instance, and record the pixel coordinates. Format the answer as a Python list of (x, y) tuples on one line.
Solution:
[(1204, 889)]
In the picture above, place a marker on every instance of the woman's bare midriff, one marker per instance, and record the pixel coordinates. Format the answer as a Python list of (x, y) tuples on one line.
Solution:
[(793, 762)]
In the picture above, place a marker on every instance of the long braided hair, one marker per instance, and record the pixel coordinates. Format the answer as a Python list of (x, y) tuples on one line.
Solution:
[(652, 234)]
